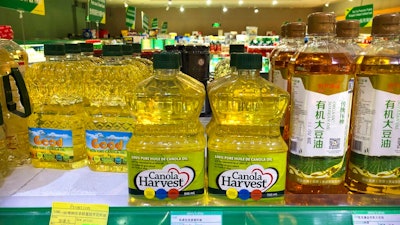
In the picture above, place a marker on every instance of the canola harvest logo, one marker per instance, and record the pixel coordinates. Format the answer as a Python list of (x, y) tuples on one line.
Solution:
[(249, 183), (166, 182)]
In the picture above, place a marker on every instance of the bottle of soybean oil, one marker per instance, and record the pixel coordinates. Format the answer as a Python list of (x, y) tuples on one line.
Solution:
[(56, 126), (322, 78), (374, 166), (246, 152), (166, 163), (347, 32), (294, 39)]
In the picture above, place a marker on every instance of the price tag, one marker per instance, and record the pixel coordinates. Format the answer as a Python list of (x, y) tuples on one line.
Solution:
[(64, 213), (376, 218), (196, 218)]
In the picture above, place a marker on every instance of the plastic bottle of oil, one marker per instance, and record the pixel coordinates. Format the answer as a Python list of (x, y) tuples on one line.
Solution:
[(347, 31), (375, 151), (246, 152), (322, 78), (166, 163), (4, 167), (280, 57), (16, 104), (56, 126), (110, 123)]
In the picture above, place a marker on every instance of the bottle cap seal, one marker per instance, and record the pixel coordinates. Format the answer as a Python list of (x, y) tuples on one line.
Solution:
[(386, 25), (348, 28), (321, 23)]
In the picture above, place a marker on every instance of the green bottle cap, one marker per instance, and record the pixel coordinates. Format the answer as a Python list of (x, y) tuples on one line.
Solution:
[(112, 50), (127, 49), (166, 60), (249, 61), (72, 48), (54, 49), (86, 47), (137, 48), (233, 60)]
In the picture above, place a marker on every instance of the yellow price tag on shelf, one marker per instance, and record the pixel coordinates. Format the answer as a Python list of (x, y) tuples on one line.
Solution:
[(66, 213)]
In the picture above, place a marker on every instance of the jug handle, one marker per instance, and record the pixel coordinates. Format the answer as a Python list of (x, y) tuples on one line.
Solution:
[(22, 91)]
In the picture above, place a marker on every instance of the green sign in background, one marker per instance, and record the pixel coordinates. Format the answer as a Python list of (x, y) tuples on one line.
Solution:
[(164, 27), (36, 7), (363, 13), (130, 17), (97, 10), (145, 21)]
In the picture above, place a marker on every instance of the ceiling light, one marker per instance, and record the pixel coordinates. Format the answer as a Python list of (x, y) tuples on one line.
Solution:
[(275, 2), (224, 9), (327, 4), (169, 2), (126, 5), (181, 9), (166, 9), (255, 10), (240, 2), (208, 2)]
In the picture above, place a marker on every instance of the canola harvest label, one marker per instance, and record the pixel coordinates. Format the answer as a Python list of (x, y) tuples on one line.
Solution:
[(107, 147), (246, 176), (166, 176), (375, 157), (51, 144)]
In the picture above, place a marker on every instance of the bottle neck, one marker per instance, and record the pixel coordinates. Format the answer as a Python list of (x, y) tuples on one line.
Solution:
[(345, 40), (321, 38), (72, 56), (380, 39), (248, 73), (55, 58), (165, 73), (113, 60)]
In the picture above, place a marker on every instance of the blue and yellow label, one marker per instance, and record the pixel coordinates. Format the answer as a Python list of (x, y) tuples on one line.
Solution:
[(51, 144), (107, 147)]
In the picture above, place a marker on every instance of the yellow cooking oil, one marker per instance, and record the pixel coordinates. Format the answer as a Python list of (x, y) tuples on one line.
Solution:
[(166, 154), (110, 124), (374, 164), (16, 104), (293, 39), (322, 80), (246, 152), (56, 126)]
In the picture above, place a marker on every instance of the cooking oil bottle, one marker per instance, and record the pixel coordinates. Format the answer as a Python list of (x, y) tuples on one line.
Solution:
[(16, 103), (374, 165), (347, 32), (280, 57), (4, 167), (56, 126), (246, 152), (166, 154), (322, 79), (110, 123)]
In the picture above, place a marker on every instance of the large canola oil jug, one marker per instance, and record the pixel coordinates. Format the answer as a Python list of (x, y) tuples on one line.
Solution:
[(56, 126), (166, 152), (246, 152), (15, 102), (110, 124)]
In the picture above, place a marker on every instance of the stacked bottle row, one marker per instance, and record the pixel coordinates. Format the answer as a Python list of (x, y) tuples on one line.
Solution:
[(248, 161), (80, 112)]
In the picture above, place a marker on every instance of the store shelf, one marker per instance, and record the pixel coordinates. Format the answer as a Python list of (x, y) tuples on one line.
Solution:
[(27, 194)]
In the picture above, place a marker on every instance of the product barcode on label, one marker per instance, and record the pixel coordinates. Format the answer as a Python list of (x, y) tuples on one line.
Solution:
[(293, 146), (357, 145), (334, 143)]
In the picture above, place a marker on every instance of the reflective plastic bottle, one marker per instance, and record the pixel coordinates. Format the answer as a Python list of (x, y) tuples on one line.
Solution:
[(246, 152), (280, 58), (322, 79), (374, 165), (109, 125), (166, 154), (56, 126), (347, 32)]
